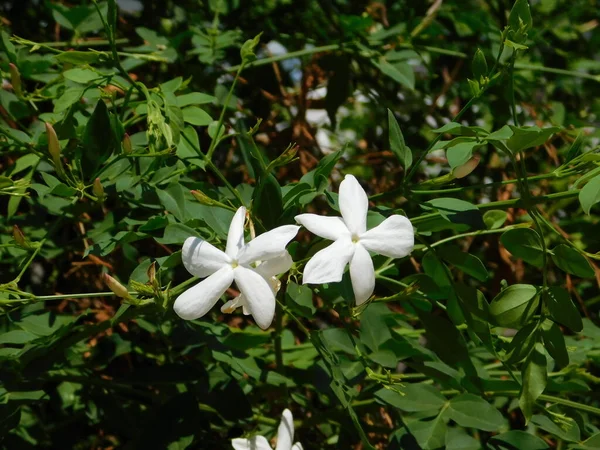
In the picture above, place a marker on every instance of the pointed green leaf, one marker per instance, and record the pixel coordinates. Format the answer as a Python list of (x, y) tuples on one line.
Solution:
[(397, 145)]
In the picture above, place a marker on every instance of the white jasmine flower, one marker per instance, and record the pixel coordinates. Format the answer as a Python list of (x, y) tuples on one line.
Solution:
[(394, 238), (285, 437), (269, 271), (202, 259)]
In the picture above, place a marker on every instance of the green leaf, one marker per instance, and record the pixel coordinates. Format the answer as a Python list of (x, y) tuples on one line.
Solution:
[(520, 16), (188, 148), (459, 154), (468, 263), (374, 330), (402, 73), (554, 342), (174, 201), (479, 66), (590, 194), (575, 148), (176, 233), (429, 434), (196, 116), (8, 47), (445, 340), (458, 439), (562, 309), (471, 411), (571, 261), (267, 201), (524, 243), (520, 440), (527, 137), (522, 343), (16, 337), (502, 134), (194, 98), (461, 130), (513, 307), (494, 218), (567, 431), (98, 140), (456, 211), (300, 299), (399, 148), (247, 50), (82, 76), (413, 398), (79, 58), (534, 377)]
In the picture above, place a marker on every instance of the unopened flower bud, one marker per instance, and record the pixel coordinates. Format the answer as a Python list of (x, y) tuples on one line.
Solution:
[(15, 79), (127, 147), (203, 198), (151, 272), (288, 155), (98, 189), (465, 169), (53, 146), (118, 289), (19, 237)]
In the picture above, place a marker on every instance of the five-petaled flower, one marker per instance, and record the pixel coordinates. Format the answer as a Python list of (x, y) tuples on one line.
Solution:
[(285, 437), (250, 265), (394, 238)]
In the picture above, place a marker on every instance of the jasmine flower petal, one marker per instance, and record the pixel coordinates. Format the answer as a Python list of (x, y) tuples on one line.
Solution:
[(362, 274), (354, 205), (327, 265), (198, 300), (258, 294), (268, 245), (201, 258), (235, 237), (330, 228), (394, 237)]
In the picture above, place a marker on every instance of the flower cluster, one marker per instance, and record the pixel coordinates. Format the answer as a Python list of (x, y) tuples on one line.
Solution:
[(255, 266)]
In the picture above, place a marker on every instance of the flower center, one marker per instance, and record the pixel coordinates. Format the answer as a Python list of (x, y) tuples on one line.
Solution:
[(355, 239), (234, 263)]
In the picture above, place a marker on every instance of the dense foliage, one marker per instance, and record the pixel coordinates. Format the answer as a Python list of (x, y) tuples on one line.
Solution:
[(128, 127)]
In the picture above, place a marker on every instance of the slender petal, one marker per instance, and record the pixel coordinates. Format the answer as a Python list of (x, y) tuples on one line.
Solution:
[(268, 245), (258, 293), (275, 266), (235, 237), (285, 432), (327, 227), (201, 258), (231, 305), (354, 205), (297, 446), (327, 265), (198, 300), (254, 443), (394, 237), (362, 274)]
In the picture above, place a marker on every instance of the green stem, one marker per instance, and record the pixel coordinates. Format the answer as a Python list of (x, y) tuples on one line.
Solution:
[(296, 54), (478, 233), (215, 139), (546, 176), (516, 202), (84, 43)]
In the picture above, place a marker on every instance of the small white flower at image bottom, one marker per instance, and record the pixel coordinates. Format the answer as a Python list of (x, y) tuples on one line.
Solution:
[(253, 267), (394, 237), (285, 437)]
